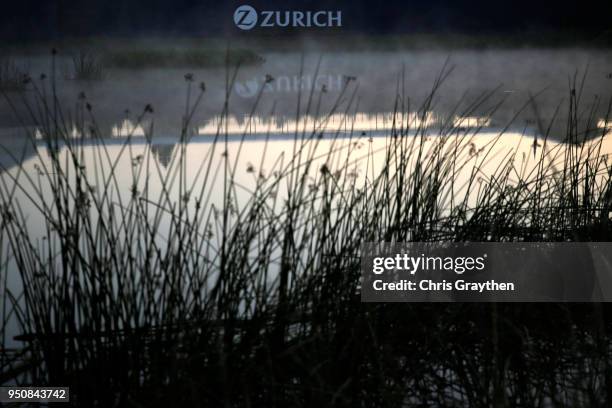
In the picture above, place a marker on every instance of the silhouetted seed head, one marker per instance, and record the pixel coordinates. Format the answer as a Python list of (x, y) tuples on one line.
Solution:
[(81, 95), (137, 160), (250, 168), (324, 170), (83, 201), (363, 133), (230, 207), (88, 106), (43, 77), (189, 77), (573, 92), (26, 79), (269, 78), (324, 89), (473, 150), (7, 215), (53, 51), (149, 108), (202, 86)]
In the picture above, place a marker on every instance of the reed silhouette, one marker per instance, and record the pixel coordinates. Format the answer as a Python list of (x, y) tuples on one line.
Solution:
[(151, 298)]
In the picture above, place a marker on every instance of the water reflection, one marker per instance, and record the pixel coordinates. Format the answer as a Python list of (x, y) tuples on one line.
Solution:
[(127, 128), (605, 124), (72, 132), (362, 123), (358, 159), (471, 122), (163, 153), (338, 125), (337, 122)]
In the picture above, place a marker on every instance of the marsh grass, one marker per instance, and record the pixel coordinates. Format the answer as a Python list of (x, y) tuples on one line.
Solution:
[(13, 77), (141, 299)]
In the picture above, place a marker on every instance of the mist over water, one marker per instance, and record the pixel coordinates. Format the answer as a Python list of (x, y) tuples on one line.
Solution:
[(510, 74)]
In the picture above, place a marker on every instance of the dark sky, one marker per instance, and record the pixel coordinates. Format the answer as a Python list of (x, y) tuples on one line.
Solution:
[(31, 19)]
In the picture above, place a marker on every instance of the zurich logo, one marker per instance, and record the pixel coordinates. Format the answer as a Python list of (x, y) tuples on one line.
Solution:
[(247, 89), (245, 17)]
